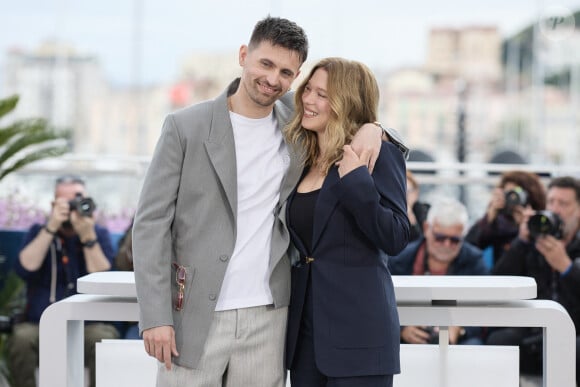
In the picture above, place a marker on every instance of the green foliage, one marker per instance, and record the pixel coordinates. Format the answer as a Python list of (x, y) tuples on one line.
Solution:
[(12, 298), (26, 141), (12, 303), (21, 143)]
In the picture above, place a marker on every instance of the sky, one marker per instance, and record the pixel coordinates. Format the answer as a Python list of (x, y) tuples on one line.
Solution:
[(385, 34)]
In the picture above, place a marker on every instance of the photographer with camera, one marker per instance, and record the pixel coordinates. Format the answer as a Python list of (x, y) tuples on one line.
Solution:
[(548, 249), (54, 255), (516, 191)]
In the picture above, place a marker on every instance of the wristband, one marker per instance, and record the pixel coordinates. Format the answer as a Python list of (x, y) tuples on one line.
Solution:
[(395, 138), (565, 272), (45, 227), (89, 243)]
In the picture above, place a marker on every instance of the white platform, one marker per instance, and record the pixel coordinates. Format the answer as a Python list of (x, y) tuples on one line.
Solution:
[(124, 363), (408, 288), (458, 366), (421, 300)]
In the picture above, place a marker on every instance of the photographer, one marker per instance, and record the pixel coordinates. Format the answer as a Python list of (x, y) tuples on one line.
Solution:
[(550, 254), (516, 191), (441, 250), (54, 255)]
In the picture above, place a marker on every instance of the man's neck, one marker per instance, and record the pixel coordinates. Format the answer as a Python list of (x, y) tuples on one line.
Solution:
[(436, 265)]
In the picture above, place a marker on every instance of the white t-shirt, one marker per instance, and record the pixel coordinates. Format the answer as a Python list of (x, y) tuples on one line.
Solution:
[(262, 160)]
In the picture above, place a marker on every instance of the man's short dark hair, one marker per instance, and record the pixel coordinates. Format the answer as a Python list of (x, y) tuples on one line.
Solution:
[(281, 32), (69, 179), (566, 182)]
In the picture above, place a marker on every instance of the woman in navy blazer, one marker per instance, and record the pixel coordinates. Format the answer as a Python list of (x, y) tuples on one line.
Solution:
[(343, 326)]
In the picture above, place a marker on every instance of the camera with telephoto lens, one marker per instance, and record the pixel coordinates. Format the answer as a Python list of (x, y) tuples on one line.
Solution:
[(545, 223), (83, 206), (515, 197)]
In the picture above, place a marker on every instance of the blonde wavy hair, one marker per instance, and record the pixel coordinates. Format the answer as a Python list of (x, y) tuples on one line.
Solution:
[(353, 94)]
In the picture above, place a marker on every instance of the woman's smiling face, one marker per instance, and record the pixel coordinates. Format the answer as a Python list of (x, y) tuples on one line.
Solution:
[(316, 104)]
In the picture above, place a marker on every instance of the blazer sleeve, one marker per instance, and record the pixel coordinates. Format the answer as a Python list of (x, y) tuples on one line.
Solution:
[(379, 202), (152, 242)]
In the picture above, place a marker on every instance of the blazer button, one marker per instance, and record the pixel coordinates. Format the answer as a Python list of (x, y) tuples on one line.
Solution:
[(212, 297), (224, 258)]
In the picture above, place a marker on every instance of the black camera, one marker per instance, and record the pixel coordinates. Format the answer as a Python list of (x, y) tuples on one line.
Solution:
[(433, 335), (515, 197), (545, 223), (83, 206)]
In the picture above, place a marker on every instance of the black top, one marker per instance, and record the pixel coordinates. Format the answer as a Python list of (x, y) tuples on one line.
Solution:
[(302, 216)]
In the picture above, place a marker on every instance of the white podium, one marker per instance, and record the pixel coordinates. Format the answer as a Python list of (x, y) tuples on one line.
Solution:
[(421, 300)]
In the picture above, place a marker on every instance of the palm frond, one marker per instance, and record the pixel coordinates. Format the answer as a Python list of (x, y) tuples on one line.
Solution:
[(7, 105), (26, 141), (22, 128), (30, 158)]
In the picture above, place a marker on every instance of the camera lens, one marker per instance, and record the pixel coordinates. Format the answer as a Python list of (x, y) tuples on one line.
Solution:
[(515, 197), (545, 223)]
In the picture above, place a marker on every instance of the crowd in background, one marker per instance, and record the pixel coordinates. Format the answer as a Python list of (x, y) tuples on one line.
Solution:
[(528, 229)]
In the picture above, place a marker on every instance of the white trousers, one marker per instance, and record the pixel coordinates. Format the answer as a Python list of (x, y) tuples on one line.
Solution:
[(244, 348)]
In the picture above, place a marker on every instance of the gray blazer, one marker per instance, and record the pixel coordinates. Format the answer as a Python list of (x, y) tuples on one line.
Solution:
[(187, 214)]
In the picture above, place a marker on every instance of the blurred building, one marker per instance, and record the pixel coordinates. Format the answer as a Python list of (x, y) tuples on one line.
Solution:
[(203, 76), (463, 75), (471, 53), (70, 91), (56, 83), (424, 107), (128, 121)]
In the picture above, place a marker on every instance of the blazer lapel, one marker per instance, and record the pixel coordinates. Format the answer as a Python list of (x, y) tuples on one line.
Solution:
[(220, 147), (325, 204)]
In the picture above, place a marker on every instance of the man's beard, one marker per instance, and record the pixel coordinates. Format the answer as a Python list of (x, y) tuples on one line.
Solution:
[(259, 98)]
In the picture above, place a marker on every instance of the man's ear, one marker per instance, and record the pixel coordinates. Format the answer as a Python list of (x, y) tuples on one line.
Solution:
[(242, 54)]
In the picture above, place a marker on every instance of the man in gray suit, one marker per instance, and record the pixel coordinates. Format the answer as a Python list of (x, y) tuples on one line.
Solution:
[(209, 239)]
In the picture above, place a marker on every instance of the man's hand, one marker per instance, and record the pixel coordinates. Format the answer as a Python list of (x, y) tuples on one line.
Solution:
[(454, 334), (368, 138), (554, 251), (415, 335), (58, 214), (496, 204), (351, 161), (84, 226), (160, 343)]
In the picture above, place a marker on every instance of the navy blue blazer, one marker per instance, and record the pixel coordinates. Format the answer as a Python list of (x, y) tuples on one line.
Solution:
[(358, 220)]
